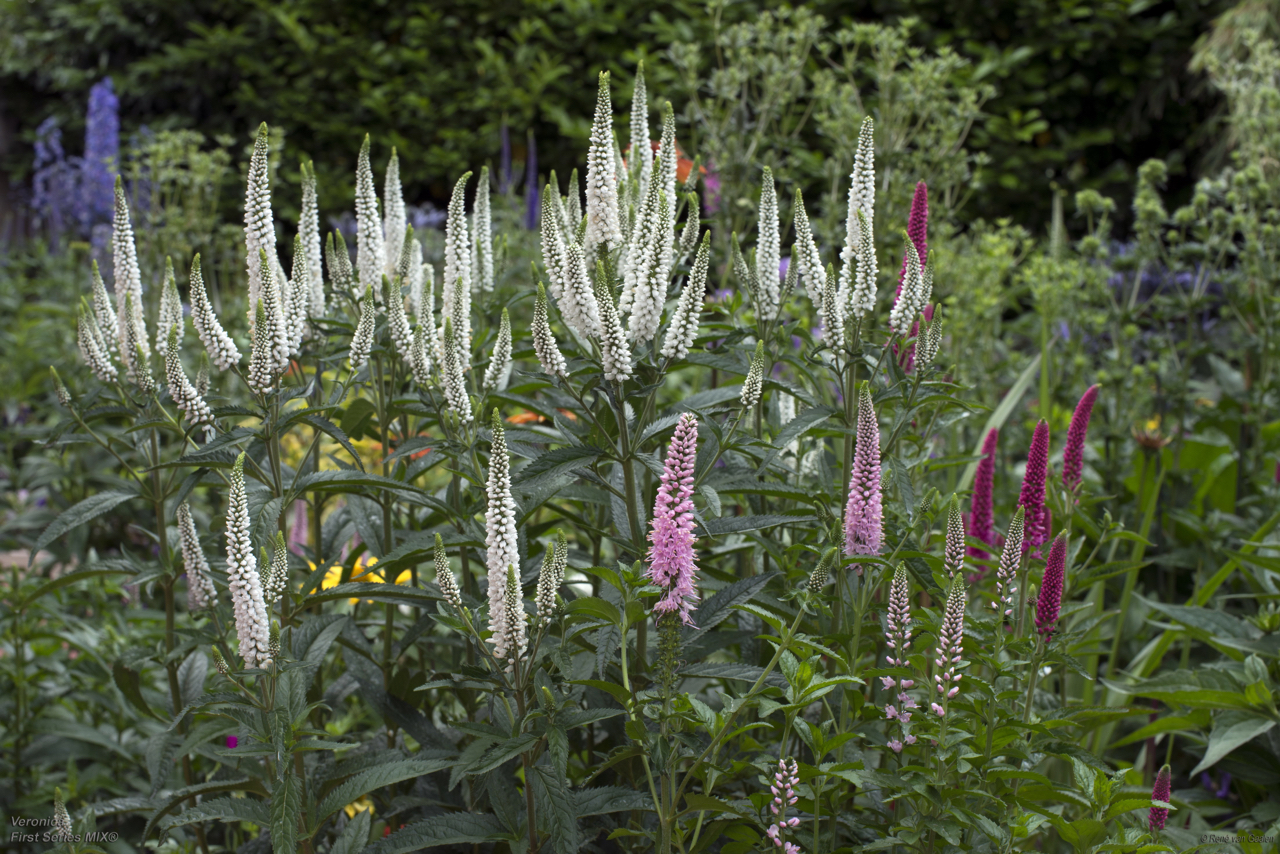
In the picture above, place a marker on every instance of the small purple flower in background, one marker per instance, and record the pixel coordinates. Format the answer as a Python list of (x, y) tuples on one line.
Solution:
[(1073, 455), (532, 203), (425, 216), (56, 192), (722, 295), (299, 533), (1221, 789), (1064, 330), (783, 266), (101, 153), (1037, 520), (232, 742), (1050, 601), (672, 562), (1160, 792), (711, 180), (981, 520)]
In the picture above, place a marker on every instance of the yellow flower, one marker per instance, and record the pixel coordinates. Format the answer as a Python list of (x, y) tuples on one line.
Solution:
[(358, 806), (360, 572)]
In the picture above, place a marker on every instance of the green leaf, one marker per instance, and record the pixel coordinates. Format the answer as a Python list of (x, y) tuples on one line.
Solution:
[(739, 524), (1231, 730), (555, 808), (450, 829), (79, 513), (176, 798), (361, 784), (356, 414), (286, 806), (622, 695), (221, 809), (72, 578), (712, 612), (740, 672), (504, 752), (1172, 723), (554, 465), (191, 675), (355, 836), (607, 799), (796, 427), (349, 481), (129, 682), (1001, 414), (324, 425), (596, 607), (399, 594)]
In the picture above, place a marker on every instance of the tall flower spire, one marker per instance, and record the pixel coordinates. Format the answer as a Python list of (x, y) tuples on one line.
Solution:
[(495, 376), (567, 277), (104, 313), (639, 134), (362, 338), (863, 516), (917, 229), (857, 293), (615, 353), (370, 249), (672, 561), (1161, 791), (981, 522), (1010, 560), (785, 780), (394, 221), (603, 229), (170, 310), (253, 628), (753, 385), (1073, 454), (805, 255), (915, 293), (501, 541), (551, 577), (544, 340), (950, 640), (309, 228), (1050, 601), (444, 576), (259, 227), (455, 387), (769, 249), (92, 347), (898, 634), (128, 281), (456, 288), (482, 235), (201, 593), (953, 556), (683, 328), (184, 394), (221, 349), (1031, 497), (515, 622)]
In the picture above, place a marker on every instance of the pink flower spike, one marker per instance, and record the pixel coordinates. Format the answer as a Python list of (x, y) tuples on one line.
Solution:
[(1073, 454), (1050, 601), (887, 681), (938, 710), (863, 515), (1160, 792), (895, 746), (1036, 522), (981, 520), (672, 561)]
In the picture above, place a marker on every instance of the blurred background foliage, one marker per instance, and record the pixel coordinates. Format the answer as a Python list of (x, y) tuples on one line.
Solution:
[(1077, 93)]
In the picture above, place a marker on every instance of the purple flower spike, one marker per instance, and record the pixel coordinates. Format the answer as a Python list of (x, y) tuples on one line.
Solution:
[(981, 520), (672, 563), (1160, 792), (101, 153), (1050, 601), (950, 642), (1031, 498), (534, 204), (863, 515), (1073, 455), (917, 230)]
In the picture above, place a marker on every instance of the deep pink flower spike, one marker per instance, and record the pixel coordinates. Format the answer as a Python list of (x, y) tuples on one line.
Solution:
[(1049, 604), (1032, 496), (1073, 455), (672, 563), (981, 518)]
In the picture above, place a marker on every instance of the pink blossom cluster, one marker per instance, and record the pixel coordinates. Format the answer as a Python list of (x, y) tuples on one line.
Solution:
[(898, 634), (863, 514), (950, 640), (785, 780), (672, 563)]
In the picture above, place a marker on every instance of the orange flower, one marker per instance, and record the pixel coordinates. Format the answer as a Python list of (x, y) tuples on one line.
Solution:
[(683, 164), (526, 418)]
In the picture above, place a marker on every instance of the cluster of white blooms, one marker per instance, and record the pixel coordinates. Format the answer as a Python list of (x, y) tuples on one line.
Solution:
[(805, 254), (217, 343), (422, 283), (135, 344), (128, 286), (104, 312), (641, 162), (603, 231), (170, 310), (551, 577), (544, 341), (495, 376), (298, 296), (567, 274), (683, 329), (420, 356), (185, 396), (309, 229), (444, 576), (615, 353), (259, 227), (262, 367), (362, 339), (501, 541), (456, 287), (455, 387), (858, 265), (916, 291), (516, 638), (832, 317), (93, 347), (201, 593), (253, 629), (340, 272), (753, 386), (482, 236), (273, 286), (277, 579), (393, 224), (370, 257), (768, 250)]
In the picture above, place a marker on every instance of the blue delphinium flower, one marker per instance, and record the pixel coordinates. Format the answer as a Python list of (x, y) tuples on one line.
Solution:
[(101, 153), (55, 192)]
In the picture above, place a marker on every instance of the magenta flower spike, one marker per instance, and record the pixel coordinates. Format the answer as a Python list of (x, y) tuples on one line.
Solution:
[(1160, 792), (1031, 499), (918, 231), (863, 514), (981, 520), (1055, 574), (950, 641), (1073, 454), (672, 563)]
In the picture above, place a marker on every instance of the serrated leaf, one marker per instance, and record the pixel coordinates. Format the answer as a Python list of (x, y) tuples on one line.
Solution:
[(713, 611), (130, 684), (556, 809), (78, 514), (222, 809), (286, 806), (740, 524), (449, 829), (607, 799), (1231, 730), (361, 784), (553, 465), (191, 676), (355, 836), (740, 672)]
